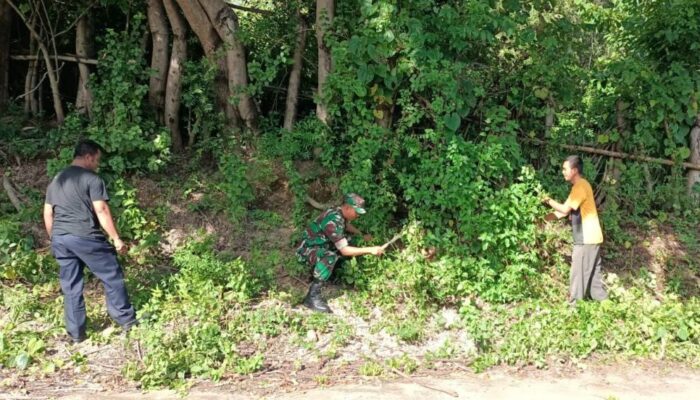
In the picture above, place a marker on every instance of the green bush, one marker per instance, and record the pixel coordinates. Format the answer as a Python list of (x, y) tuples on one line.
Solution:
[(120, 120), (235, 185), (185, 334), (631, 323), (19, 262)]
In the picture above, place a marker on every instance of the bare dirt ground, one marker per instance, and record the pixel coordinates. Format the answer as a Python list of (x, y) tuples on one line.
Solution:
[(645, 380)]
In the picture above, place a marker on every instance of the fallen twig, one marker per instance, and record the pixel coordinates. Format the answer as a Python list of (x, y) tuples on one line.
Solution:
[(287, 275), (138, 351), (316, 204), (447, 392), (11, 193)]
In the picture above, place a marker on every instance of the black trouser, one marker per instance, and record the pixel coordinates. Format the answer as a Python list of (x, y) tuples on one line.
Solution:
[(73, 253)]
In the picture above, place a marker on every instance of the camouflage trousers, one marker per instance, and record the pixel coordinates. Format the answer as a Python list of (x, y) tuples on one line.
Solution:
[(321, 259)]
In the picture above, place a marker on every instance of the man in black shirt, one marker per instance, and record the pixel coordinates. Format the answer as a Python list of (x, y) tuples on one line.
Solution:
[(74, 210)]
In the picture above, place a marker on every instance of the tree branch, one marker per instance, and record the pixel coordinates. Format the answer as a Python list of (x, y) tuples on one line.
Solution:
[(617, 154), (249, 9), (77, 19), (58, 106), (11, 193), (64, 57), (316, 204)]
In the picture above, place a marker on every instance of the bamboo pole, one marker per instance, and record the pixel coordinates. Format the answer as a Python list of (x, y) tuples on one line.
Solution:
[(67, 57), (617, 154)]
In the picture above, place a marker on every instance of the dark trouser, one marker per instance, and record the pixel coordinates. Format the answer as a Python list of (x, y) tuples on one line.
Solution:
[(321, 259), (72, 254), (586, 280)]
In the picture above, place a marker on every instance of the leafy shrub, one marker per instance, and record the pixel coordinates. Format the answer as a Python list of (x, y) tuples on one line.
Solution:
[(234, 185), (19, 262), (185, 335), (299, 143), (631, 323), (198, 100), (120, 122)]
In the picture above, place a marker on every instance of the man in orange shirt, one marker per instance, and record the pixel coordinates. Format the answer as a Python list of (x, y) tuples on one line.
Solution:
[(585, 280)]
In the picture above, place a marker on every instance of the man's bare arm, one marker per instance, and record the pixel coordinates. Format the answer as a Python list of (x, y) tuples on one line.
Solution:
[(559, 215), (352, 229), (562, 209), (104, 215), (48, 218), (350, 251)]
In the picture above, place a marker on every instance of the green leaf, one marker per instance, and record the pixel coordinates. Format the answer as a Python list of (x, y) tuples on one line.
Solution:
[(359, 90), (389, 36), (661, 332), (452, 121), (35, 346), (364, 74), (22, 360), (602, 139), (541, 93), (683, 333)]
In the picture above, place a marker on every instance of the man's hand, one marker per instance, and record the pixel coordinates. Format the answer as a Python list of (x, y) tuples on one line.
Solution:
[(367, 237), (120, 246), (377, 250), (545, 199)]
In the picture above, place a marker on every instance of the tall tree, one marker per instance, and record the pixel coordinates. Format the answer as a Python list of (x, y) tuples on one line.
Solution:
[(30, 99), (158, 26), (201, 25), (290, 112), (225, 22), (5, 24), (325, 10), (173, 87), (694, 175), (84, 48), (50, 71)]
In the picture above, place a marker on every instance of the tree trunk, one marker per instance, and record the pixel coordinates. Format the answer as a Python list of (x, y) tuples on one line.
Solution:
[(38, 84), (290, 113), (325, 9), (173, 87), (5, 24), (158, 26), (693, 175), (57, 105), (199, 22), (549, 116), (84, 48), (30, 107), (225, 22)]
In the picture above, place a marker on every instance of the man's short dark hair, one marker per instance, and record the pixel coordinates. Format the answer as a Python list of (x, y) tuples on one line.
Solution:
[(87, 147), (575, 162)]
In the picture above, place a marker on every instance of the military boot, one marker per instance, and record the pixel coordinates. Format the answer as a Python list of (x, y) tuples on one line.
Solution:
[(314, 300)]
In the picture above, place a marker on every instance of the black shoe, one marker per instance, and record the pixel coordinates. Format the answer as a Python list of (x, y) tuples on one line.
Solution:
[(73, 340), (127, 327), (314, 300)]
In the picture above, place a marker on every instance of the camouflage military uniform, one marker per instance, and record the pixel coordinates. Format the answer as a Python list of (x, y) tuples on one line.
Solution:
[(322, 241)]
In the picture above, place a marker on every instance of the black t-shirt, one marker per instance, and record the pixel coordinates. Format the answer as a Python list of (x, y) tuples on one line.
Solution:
[(71, 194)]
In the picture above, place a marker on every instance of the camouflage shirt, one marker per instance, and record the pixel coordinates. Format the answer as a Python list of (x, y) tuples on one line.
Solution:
[(328, 229)]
